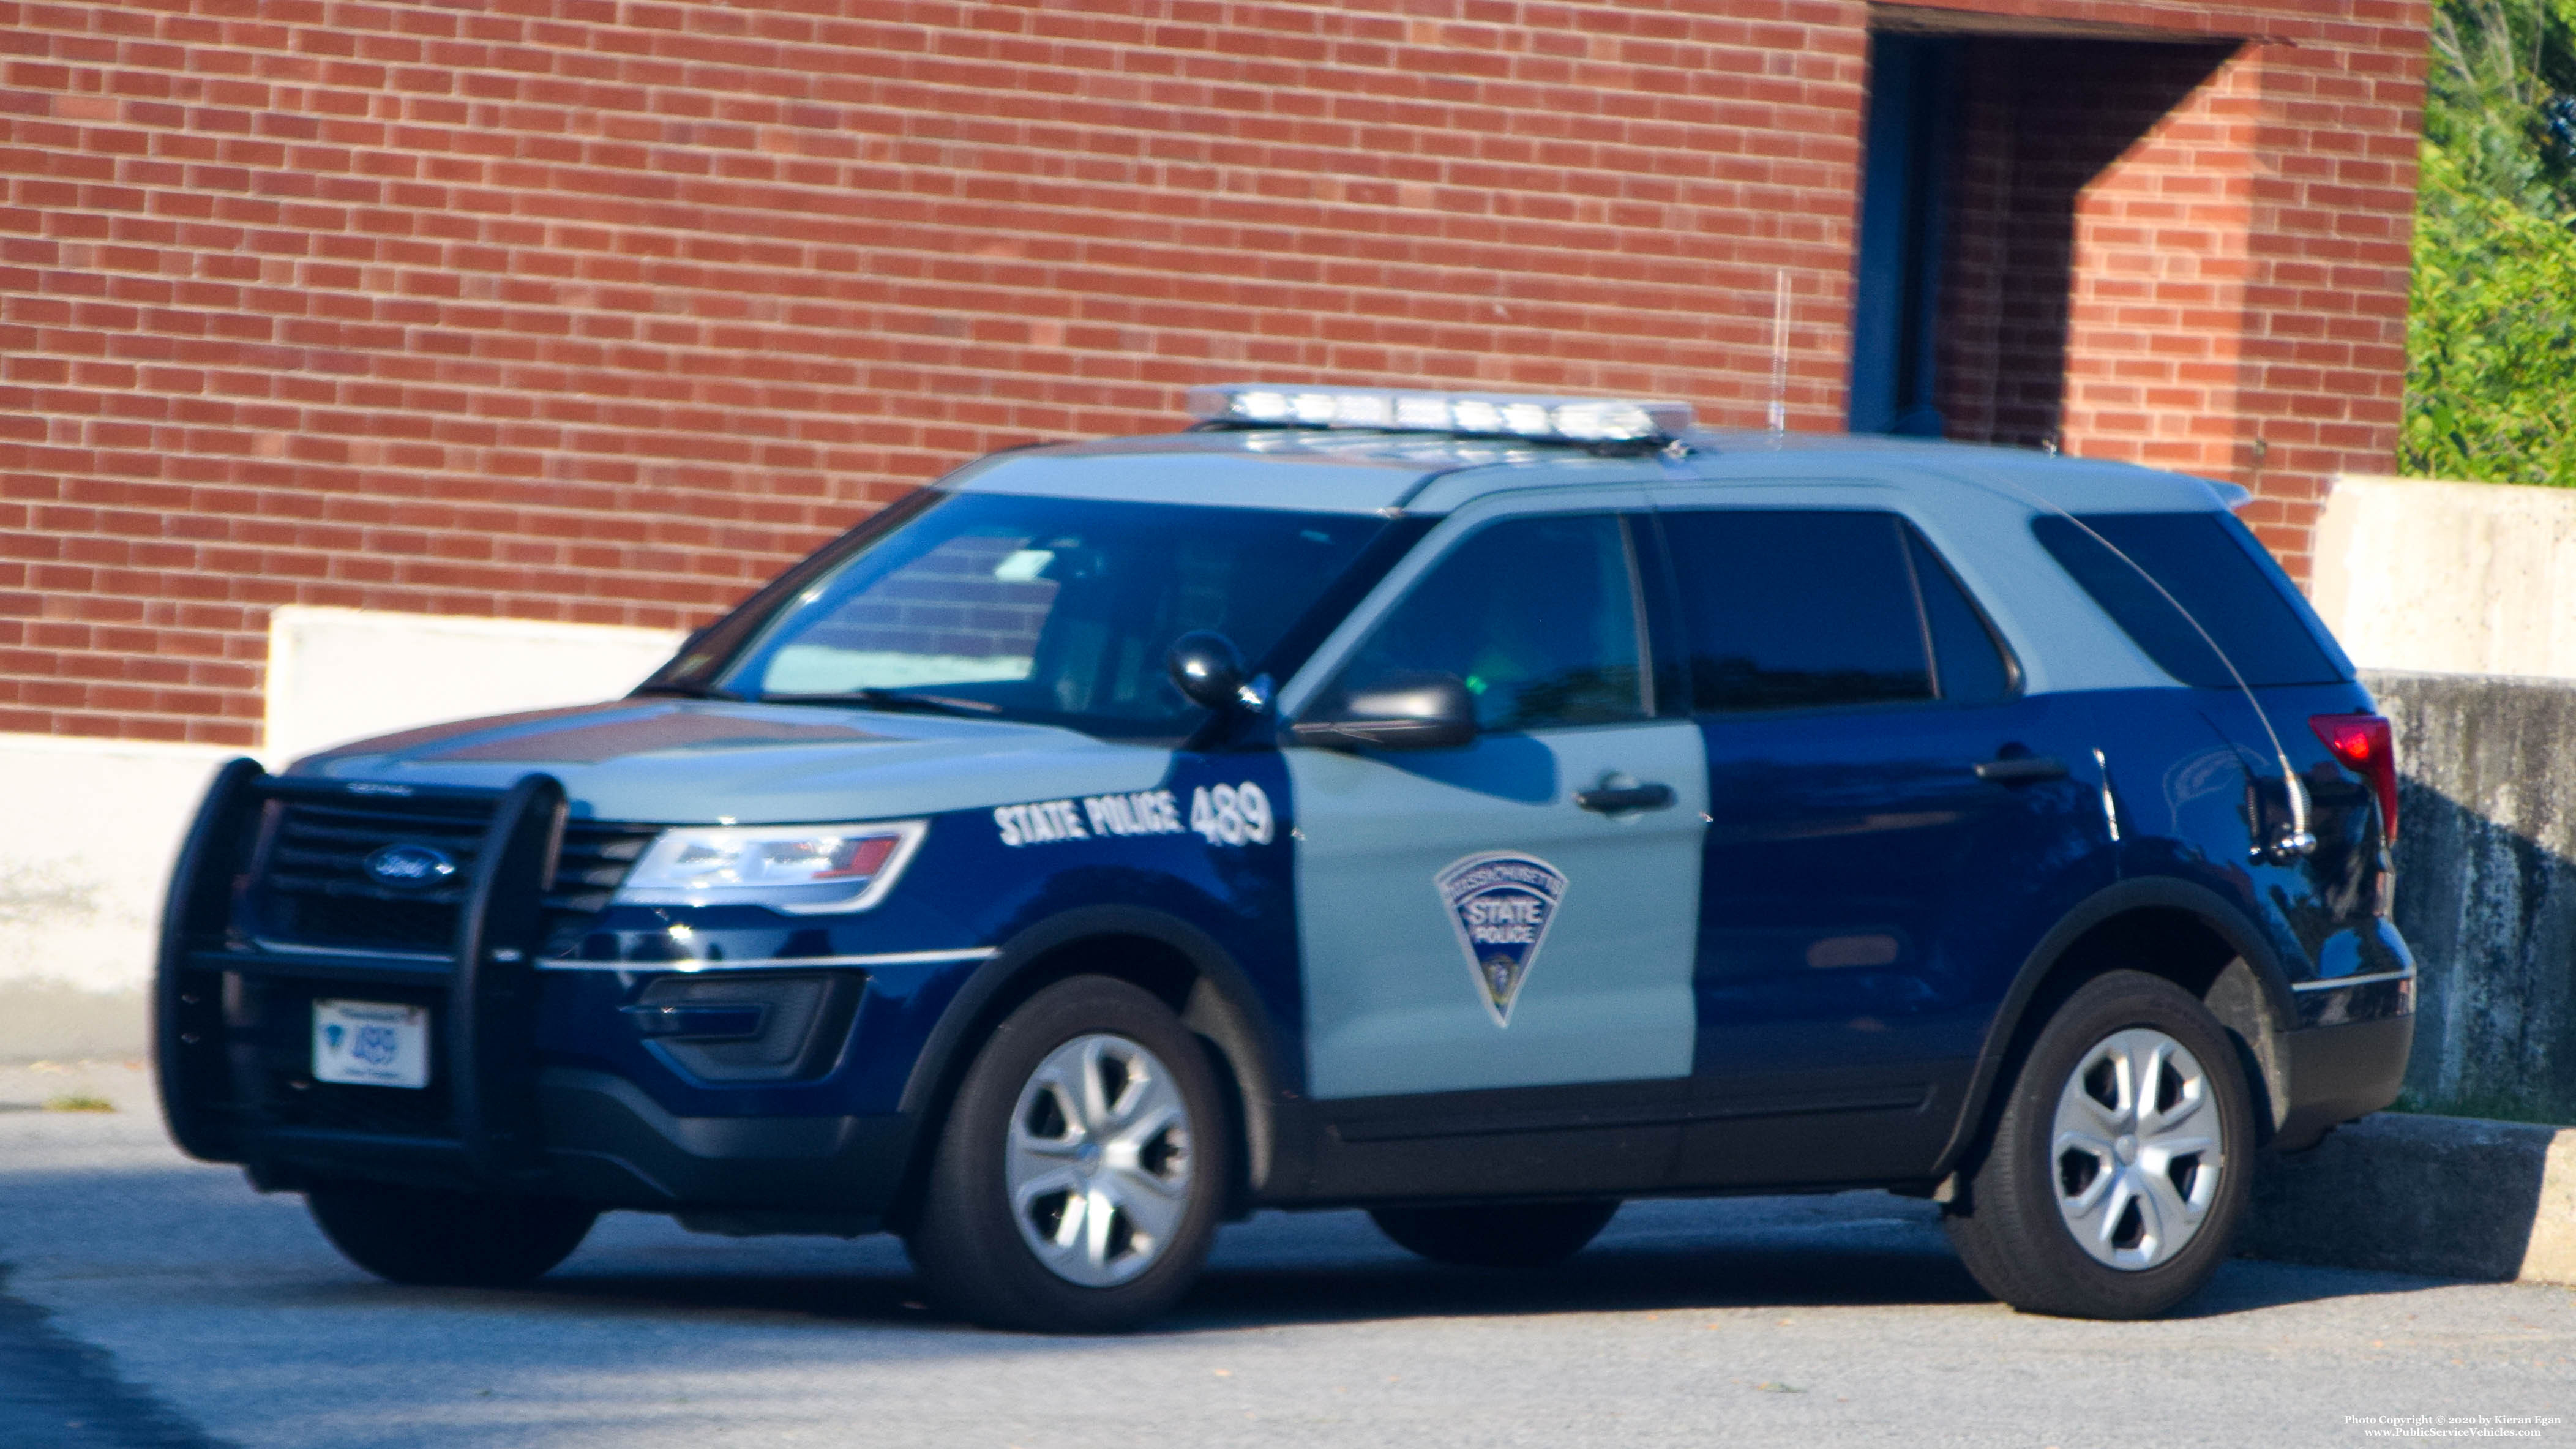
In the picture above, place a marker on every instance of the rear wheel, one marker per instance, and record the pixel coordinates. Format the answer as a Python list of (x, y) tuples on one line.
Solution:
[(2118, 1170), (1077, 1184), (1497, 1235), (436, 1238)]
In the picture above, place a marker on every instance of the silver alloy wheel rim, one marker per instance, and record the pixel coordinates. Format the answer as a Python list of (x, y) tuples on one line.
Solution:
[(2136, 1153), (1098, 1161)]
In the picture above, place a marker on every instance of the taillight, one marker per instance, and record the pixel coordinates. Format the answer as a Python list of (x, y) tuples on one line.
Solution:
[(2366, 747)]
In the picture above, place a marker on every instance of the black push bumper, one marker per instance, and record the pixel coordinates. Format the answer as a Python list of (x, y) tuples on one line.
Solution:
[(229, 1010), (608, 1144)]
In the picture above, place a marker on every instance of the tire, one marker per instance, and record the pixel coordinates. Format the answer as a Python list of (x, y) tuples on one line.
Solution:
[(2083, 1207), (1078, 1180), (1497, 1235), (434, 1238)]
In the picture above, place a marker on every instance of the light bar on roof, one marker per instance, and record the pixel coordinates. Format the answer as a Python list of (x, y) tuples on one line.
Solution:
[(1474, 414)]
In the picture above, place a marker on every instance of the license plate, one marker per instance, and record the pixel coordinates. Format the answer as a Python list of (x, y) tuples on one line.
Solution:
[(371, 1043)]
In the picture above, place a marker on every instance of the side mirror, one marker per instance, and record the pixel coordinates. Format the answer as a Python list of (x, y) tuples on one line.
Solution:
[(1206, 668), (1406, 712)]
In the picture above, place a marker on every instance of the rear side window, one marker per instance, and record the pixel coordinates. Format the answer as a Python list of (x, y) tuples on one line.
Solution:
[(2238, 601), (1800, 609), (1797, 610)]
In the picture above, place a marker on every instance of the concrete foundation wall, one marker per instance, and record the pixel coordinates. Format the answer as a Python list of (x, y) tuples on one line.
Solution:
[(2464, 578), (80, 885), (2486, 889), (99, 820), (344, 674)]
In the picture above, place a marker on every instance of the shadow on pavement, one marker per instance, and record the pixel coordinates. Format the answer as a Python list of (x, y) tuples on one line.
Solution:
[(1330, 1268), (1605, 1280), (63, 1394)]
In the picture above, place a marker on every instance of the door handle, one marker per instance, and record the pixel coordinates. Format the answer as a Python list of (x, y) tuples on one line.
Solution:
[(1619, 799), (2022, 770)]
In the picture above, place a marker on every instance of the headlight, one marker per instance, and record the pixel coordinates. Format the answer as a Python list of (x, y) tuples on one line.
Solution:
[(801, 869)]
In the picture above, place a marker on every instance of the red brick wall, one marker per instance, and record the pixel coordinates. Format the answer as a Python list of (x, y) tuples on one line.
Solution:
[(2048, 129), (2321, 377), (601, 310), (2235, 303)]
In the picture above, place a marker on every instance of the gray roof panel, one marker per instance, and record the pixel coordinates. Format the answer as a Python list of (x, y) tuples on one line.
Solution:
[(1356, 472)]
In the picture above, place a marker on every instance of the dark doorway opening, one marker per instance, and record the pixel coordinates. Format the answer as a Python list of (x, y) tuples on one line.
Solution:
[(1908, 156), (1980, 149)]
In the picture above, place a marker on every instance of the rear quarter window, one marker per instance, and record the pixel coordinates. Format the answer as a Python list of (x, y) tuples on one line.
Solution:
[(2208, 564)]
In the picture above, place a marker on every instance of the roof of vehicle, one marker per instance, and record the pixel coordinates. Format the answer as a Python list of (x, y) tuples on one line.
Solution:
[(1355, 471)]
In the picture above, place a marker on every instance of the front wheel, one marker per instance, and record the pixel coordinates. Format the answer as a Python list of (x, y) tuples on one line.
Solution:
[(2119, 1169), (1077, 1184), (435, 1238)]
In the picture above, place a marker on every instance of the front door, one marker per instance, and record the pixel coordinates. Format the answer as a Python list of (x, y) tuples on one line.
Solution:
[(1518, 913)]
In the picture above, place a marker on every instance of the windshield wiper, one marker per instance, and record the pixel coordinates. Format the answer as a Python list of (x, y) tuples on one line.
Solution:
[(686, 691), (892, 700)]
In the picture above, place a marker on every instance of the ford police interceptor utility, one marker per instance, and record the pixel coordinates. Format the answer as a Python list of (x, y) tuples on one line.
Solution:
[(1474, 808)]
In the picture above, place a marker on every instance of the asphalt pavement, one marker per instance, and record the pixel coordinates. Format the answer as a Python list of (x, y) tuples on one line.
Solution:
[(153, 1301)]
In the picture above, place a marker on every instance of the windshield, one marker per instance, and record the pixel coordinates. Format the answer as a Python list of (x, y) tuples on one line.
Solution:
[(1050, 610)]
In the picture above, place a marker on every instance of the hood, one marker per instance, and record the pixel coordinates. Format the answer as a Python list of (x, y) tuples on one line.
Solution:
[(685, 761)]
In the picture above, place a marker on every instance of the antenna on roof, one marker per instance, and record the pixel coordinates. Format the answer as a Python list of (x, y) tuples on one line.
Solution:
[(1780, 350)]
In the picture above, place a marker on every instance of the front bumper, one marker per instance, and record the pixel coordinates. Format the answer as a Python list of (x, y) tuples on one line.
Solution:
[(232, 1020), (605, 1142)]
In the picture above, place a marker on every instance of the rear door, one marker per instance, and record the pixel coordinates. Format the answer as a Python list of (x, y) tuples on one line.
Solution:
[(1893, 826)]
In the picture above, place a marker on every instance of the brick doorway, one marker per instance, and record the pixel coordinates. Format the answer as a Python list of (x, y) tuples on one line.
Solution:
[(1988, 157)]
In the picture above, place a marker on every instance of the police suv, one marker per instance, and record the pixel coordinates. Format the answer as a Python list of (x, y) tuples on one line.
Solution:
[(1474, 808)]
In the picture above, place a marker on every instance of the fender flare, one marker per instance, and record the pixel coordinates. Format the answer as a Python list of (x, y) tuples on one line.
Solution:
[(2270, 983), (1222, 1007)]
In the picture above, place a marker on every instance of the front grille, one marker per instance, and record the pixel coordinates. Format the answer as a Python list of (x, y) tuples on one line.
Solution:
[(596, 857), (312, 887), (314, 890)]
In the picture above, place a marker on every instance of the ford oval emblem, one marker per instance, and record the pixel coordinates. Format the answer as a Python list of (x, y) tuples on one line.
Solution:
[(410, 866)]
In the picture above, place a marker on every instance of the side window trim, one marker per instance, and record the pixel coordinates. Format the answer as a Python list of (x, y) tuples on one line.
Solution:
[(1663, 612), (1905, 541), (2014, 678), (1639, 614)]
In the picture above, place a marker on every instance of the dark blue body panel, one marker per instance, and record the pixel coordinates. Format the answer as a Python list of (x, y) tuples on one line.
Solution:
[(964, 890), (1875, 916), (2197, 784), (1867, 898)]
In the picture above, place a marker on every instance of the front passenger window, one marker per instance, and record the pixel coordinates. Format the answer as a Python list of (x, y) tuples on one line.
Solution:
[(1537, 615)]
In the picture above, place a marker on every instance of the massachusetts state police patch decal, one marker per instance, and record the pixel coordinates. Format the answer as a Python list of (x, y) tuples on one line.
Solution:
[(1502, 903)]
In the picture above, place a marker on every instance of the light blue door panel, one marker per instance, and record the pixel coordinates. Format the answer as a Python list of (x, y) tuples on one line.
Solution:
[(1394, 997)]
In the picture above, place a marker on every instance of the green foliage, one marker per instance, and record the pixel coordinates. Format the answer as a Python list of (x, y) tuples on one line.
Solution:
[(2491, 353), (2496, 101)]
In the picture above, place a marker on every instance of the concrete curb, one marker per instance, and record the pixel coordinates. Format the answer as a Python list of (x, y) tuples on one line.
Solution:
[(2456, 1197)]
